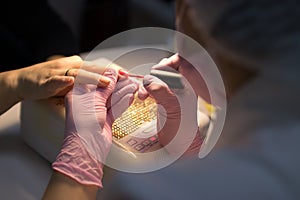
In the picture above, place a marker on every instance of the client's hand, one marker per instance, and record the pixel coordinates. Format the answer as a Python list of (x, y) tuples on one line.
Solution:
[(52, 78), (88, 128)]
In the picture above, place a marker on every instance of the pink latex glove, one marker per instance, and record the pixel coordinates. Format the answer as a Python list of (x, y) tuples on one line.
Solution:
[(182, 66), (194, 76), (177, 123), (88, 135)]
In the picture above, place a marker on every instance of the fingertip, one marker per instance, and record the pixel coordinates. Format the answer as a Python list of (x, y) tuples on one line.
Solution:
[(71, 72), (142, 93), (111, 73), (103, 81), (123, 74), (148, 79), (68, 79), (76, 58), (108, 79)]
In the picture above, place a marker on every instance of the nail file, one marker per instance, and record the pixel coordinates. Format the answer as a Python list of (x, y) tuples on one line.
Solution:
[(172, 79), (135, 75), (125, 73)]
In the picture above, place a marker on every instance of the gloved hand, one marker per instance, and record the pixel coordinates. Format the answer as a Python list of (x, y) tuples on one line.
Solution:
[(177, 123), (121, 98), (214, 94), (191, 74), (88, 134)]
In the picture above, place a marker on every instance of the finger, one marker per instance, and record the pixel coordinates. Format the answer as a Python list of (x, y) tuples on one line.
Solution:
[(56, 84), (142, 93), (71, 72), (123, 83), (111, 75), (73, 59), (74, 63), (95, 67), (156, 88), (67, 63), (64, 91), (87, 77), (169, 111), (118, 94), (118, 108), (100, 65)]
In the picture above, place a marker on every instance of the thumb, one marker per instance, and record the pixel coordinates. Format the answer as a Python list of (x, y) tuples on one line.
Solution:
[(168, 109), (163, 96), (158, 89)]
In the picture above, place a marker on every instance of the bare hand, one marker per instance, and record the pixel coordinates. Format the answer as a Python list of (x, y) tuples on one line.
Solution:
[(46, 79)]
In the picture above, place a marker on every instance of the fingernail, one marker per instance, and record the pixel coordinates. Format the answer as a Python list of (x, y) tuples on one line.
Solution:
[(103, 81), (142, 93), (147, 80), (68, 79), (123, 72), (123, 75)]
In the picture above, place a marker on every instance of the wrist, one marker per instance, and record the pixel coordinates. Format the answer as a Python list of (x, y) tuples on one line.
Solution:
[(9, 90), (75, 162), (10, 84), (15, 84)]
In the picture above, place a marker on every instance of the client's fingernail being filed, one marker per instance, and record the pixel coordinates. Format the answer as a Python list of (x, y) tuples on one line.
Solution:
[(123, 72)]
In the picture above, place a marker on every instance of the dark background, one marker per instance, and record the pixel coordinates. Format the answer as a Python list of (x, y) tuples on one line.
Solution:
[(31, 31)]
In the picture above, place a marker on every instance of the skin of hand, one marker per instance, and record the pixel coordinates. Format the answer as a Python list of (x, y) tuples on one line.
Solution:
[(177, 111), (39, 81), (78, 166), (47, 79)]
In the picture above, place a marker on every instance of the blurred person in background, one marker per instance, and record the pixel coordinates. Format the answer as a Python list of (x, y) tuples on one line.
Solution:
[(256, 45)]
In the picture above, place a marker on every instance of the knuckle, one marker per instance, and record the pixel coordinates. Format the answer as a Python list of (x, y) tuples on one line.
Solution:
[(76, 58), (133, 87)]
